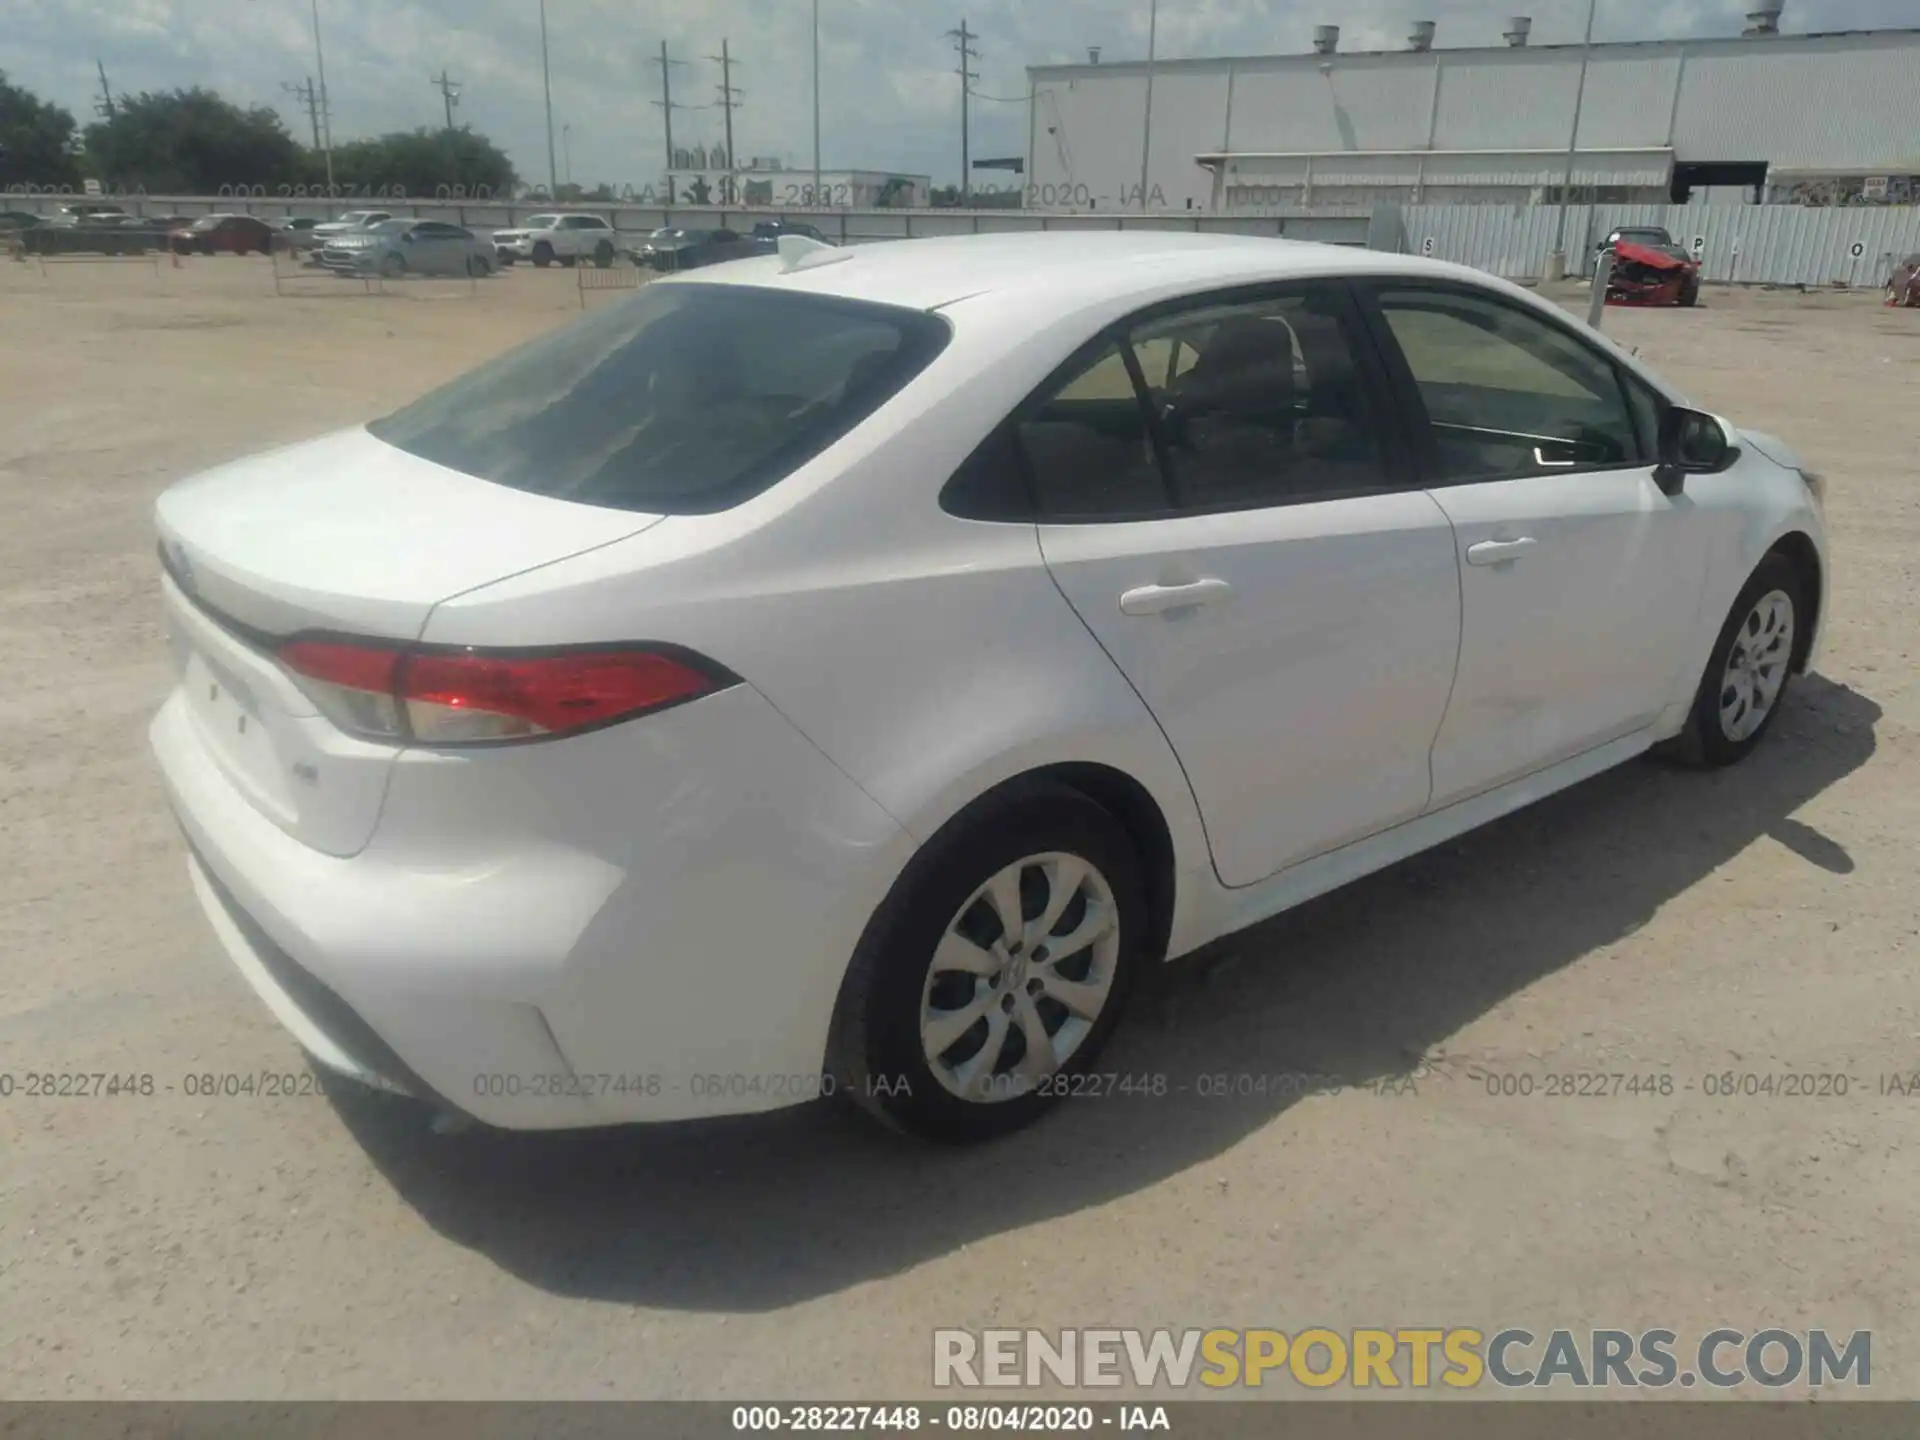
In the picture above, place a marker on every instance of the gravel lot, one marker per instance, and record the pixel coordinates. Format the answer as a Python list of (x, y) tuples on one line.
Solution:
[(1650, 922)]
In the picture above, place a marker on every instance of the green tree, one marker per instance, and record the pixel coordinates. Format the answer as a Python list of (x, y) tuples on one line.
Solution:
[(191, 142), (420, 161), (36, 140)]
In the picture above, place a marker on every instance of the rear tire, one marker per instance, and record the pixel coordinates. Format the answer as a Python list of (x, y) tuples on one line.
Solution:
[(941, 983), (603, 254), (1749, 672)]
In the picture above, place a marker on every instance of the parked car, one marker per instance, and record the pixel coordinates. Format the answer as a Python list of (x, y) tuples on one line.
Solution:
[(296, 232), (568, 239), (1642, 275), (394, 248), (222, 234), (853, 668), (19, 220), (679, 248), (1903, 286), (93, 216), (1647, 237), (353, 222)]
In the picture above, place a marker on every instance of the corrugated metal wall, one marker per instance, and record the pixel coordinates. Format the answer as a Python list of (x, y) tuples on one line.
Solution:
[(1772, 244)]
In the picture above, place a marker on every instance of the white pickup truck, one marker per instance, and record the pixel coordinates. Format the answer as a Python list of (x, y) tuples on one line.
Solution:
[(569, 239)]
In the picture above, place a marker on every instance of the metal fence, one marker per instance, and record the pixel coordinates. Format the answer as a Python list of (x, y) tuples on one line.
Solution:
[(1748, 244), (1857, 246)]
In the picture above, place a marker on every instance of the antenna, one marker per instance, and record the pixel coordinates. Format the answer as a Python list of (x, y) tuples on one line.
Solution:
[(963, 46), (105, 108), (449, 92)]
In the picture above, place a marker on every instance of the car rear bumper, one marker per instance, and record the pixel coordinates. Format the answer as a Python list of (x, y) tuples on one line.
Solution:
[(678, 956)]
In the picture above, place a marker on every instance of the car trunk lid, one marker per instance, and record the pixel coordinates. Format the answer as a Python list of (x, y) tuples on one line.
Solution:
[(342, 535)]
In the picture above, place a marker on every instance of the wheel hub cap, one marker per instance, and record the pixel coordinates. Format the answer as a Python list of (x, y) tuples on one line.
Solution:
[(1757, 665), (1019, 979)]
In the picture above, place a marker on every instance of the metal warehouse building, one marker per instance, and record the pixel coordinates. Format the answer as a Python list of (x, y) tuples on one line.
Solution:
[(1765, 116)]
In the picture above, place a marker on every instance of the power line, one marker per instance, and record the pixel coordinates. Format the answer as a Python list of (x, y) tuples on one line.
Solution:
[(449, 92), (309, 97), (963, 48)]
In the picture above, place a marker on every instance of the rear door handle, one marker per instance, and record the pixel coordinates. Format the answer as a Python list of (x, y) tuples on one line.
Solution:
[(1498, 552), (1157, 599)]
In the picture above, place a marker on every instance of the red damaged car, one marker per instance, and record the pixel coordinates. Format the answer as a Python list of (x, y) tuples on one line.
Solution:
[(217, 234), (1643, 275)]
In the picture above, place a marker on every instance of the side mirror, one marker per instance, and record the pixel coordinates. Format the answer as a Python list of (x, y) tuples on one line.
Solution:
[(1693, 442)]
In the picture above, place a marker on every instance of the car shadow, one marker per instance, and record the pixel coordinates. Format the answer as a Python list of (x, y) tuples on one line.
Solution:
[(753, 1213)]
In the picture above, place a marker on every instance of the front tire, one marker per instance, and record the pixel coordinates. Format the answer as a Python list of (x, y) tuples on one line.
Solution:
[(543, 254), (392, 267), (1749, 672), (996, 970)]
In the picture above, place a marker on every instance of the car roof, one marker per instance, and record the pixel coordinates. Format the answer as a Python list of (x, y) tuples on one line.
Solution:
[(930, 273)]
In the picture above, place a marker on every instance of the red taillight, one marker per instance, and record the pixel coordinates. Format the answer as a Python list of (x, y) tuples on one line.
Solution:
[(477, 697)]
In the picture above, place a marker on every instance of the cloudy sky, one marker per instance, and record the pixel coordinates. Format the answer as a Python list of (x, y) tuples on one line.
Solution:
[(890, 96)]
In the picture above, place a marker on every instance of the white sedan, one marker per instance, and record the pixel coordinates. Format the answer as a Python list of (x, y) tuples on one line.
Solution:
[(849, 670)]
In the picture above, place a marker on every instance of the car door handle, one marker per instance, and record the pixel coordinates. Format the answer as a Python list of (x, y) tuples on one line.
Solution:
[(1540, 459), (1498, 552), (1157, 599)]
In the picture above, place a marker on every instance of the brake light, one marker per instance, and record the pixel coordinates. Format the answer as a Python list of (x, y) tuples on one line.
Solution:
[(466, 697)]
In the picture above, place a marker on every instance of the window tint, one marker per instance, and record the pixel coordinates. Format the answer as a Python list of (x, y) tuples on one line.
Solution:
[(1089, 448), (684, 399), (1261, 403), (1508, 394)]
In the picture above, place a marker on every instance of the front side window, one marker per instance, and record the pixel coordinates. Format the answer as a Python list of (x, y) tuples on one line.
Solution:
[(1508, 394), (1262, 402), (685, 399)]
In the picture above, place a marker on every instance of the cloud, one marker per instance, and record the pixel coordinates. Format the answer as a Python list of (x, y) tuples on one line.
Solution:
[(889, 91)]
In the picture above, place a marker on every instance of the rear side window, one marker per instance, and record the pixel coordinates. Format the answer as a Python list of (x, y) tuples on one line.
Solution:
[(1089, 447), (1262, 403), (685, 399)]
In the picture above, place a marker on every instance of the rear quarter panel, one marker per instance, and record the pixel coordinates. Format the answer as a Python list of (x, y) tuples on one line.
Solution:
[(930, 658)]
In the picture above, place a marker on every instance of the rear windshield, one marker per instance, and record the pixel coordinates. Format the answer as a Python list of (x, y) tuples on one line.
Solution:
[(684, 399)]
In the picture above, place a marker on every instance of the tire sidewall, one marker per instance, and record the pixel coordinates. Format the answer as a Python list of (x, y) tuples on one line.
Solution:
[(886, 1067), (1773, 573)]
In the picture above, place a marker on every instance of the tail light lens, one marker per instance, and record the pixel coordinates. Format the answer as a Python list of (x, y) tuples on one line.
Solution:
[(482, 697)]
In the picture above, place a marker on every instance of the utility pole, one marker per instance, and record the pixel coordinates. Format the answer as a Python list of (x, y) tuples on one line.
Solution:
[(309, 97), (1573, 142), (1146, 134), (105, 108), (449, 92), (665, 102), (729, 102), (546, 84), (816, 100), (962, 43), (326, 111)]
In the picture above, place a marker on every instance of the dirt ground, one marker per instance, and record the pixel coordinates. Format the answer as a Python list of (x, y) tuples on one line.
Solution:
[(1756, 921)]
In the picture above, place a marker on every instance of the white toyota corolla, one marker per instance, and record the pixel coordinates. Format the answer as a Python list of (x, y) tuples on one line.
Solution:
[(849, 669)]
